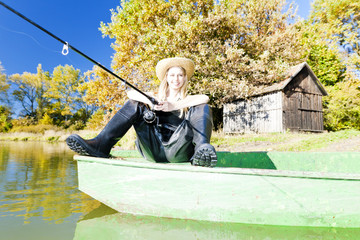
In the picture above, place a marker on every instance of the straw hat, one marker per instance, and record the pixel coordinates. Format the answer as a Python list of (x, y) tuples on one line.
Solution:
[(164, 64)]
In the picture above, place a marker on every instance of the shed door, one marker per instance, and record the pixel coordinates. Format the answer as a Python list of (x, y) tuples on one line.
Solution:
[(310, 112), (291, 112), (303, 112)]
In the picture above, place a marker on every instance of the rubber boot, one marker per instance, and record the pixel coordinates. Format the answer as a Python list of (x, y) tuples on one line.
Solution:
[(201, 123), (101, 145)]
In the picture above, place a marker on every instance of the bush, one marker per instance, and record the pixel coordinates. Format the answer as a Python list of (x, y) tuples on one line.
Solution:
[(77, 125), (5, 124), (96, 121), (46, 120), (342, 106), (35, 128), (25, 121)]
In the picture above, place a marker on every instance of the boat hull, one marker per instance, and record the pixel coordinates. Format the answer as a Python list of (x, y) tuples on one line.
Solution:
[(236, 195)]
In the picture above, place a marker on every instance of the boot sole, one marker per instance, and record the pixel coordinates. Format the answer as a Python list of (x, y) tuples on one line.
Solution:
[(205, 156), (77, 144)]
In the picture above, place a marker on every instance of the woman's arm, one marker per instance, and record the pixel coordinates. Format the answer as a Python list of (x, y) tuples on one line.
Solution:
[(192, 100), (135, 95), (189, 101)]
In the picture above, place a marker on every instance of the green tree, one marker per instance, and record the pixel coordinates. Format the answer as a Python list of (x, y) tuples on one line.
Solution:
[(237, 45), (326, 64)]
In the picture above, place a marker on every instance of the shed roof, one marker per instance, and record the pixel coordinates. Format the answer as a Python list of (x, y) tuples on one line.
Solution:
[(292, 73)]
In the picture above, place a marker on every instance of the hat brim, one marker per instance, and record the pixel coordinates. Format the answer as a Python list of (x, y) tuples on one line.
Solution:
[(164, 64)]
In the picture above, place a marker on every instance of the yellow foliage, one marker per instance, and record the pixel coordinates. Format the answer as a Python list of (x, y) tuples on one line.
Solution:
[(46, 120), (337, 23), (96, 121)]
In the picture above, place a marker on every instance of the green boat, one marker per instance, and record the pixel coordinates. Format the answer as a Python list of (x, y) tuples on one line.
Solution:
[(267, 188)]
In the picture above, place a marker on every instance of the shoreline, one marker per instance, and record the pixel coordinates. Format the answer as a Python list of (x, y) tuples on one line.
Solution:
[(341, 141), (47, 136)]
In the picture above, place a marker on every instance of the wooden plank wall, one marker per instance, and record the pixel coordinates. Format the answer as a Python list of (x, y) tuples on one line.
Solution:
[(290, 111), (258, 114), (303, 105), (310, 112), (304, 83)]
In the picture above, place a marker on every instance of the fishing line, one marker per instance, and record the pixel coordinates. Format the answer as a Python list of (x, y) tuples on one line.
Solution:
[(152, 100), (31, 37), (38, 43)]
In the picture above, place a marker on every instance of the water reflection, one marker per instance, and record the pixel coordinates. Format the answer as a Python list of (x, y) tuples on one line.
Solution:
[(38, 185), (104, 223)]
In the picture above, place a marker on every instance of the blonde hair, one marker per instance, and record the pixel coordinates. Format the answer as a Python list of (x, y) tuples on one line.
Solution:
[(164, 88)]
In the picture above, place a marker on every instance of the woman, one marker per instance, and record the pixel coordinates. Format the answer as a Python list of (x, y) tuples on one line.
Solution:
[(181, 131)]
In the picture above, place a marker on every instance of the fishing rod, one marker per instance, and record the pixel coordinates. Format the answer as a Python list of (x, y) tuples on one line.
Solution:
[(65, 51)]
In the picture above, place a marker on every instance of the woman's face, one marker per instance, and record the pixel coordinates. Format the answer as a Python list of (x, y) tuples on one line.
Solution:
[(175, 78)]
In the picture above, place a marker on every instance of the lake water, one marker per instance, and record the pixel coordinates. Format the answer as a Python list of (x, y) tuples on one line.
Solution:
[(40, 200)]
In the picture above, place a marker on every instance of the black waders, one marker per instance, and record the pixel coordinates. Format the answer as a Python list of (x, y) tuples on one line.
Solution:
[(168, 139), (116, 128)]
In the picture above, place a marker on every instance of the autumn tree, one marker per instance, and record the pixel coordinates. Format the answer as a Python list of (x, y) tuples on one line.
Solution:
[(66, 98), (42, 79), (5, 113), (237, 45), (339, 22), (29, 91), (52, 98), (333, 38), (4, 86), (25, 92)]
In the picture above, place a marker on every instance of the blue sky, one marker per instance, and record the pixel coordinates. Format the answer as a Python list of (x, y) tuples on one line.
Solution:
[(23, 46)]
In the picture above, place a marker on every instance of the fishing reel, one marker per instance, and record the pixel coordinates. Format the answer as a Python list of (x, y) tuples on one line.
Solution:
[(149, 116)]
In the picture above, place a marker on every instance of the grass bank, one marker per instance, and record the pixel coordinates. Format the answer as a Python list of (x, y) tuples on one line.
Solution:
[(345, 140)]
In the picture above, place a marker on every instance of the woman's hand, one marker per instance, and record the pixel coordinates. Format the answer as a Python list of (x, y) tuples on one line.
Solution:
[(189, 101), (165, 106), (135, 95)]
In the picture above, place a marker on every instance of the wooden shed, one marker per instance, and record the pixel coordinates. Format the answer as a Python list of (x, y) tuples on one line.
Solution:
[(294, 104)]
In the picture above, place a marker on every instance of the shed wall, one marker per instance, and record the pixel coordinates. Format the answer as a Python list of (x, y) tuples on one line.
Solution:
[(258, 114), (303, 82)]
